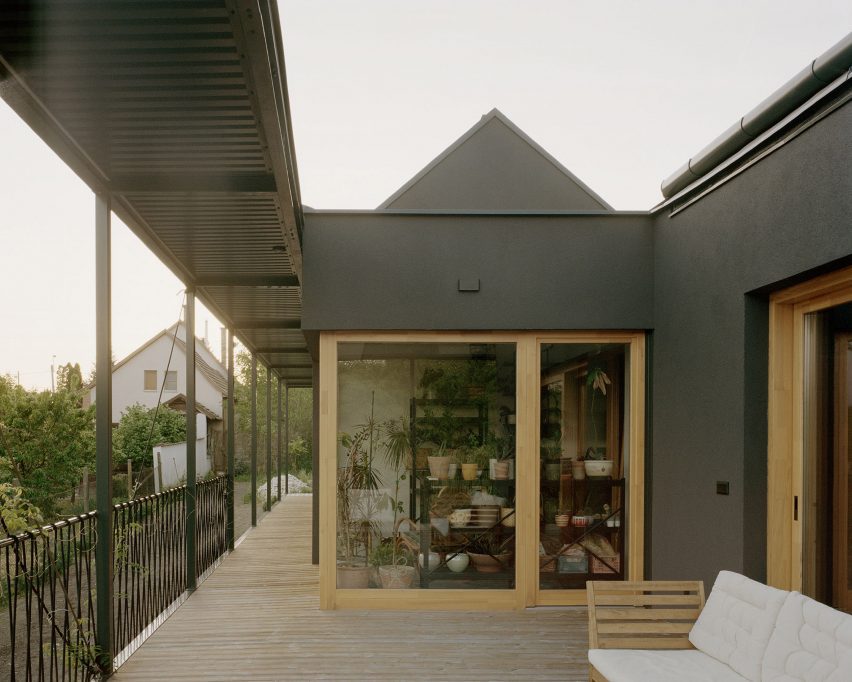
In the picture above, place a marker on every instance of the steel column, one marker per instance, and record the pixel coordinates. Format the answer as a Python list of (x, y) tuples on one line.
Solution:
[(281, 491), (191, 438), (253, 452), (103, 434), (268, 439), (229, 531), (287, 440)]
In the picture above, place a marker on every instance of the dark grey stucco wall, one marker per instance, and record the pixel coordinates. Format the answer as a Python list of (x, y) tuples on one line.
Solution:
[(393, 271), (787, 215)]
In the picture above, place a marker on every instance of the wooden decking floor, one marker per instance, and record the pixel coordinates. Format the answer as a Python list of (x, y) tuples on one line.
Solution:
[(257, 617)]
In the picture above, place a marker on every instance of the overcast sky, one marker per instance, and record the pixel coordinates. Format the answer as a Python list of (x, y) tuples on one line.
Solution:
[(622, 93)]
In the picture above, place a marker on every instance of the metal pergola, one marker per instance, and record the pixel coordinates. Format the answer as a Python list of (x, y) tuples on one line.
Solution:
[(175, 113)]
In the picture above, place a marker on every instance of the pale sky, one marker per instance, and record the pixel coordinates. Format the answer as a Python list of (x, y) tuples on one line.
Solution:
[(621, 92)]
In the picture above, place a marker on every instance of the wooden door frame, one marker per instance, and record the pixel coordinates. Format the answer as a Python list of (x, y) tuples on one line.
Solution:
[(840, 579), (785, 444), (527, 483)]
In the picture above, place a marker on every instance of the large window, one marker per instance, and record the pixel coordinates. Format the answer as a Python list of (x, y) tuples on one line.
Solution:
[(425, 493)]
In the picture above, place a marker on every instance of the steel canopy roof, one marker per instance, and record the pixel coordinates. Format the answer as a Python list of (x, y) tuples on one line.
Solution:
[(178, 110)]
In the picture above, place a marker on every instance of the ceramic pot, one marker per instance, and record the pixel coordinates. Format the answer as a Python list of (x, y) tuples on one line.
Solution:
[(563, 520), (598, 467), (396, 577), (507, 516), (439, 467), (485, 563), (468, 472), (578, 470), (452, 470), (353, 577), (458, 562), (501, 471), (434, 560)]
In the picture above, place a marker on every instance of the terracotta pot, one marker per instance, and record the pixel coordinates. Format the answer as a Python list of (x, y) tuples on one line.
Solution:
[(353, 577), (439, 467), (485, 563), (501, 471), (578, 469), (468, 472), (396, 577)]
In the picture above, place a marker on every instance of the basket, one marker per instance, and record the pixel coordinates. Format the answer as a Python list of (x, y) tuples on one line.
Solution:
[(598, 566), (546, 563)]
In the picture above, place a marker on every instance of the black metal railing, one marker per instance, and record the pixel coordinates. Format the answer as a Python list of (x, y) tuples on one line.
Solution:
[(48, 578), (48, 581)]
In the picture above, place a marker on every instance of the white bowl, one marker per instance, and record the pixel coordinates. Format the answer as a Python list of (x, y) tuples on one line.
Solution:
[(434, 560), (598, 467), (458, 562)]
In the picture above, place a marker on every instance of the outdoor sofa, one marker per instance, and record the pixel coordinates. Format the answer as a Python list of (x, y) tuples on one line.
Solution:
[(661, 631)]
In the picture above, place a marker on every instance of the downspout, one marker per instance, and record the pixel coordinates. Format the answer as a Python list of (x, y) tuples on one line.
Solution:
[(821, 72)]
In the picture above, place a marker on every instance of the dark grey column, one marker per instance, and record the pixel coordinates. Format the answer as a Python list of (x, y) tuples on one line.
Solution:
[(315, 477), (281, 492), (287, 441), (103, 433), (229, 426), (268, 439), (253, 439), (190, 439)]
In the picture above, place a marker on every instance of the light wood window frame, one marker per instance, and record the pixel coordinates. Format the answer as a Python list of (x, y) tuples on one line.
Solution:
[(526, 592), (785, 446)]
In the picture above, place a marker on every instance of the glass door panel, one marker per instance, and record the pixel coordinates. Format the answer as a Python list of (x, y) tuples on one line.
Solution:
[(426, 465), (584, 419)]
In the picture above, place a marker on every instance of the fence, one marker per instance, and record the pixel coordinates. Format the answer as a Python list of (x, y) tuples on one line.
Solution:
[(47, 580)]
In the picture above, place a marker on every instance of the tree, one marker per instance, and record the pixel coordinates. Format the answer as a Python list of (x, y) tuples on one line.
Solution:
[(134, 438), (45, 441), (69, 378)]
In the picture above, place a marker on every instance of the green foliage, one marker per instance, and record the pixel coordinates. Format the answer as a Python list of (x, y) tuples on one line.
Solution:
[(301, 458), (69, 378), (45, 441), (133, 438), (300, 409), (18, 513)]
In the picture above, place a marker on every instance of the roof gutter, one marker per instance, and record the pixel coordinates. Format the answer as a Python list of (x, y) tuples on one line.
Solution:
[(821, 72)]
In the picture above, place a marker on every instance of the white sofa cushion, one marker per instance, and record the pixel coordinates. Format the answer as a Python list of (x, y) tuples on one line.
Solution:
[(736, 622), (635, 665), (811, 642)]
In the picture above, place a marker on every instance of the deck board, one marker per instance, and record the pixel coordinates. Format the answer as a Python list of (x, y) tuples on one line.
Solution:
[(257, 617)]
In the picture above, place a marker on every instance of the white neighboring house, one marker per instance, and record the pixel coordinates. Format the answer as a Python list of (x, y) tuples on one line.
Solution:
[(140, 376)]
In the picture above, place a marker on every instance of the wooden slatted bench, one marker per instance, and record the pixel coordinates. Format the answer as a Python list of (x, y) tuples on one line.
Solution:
[(642, 615)]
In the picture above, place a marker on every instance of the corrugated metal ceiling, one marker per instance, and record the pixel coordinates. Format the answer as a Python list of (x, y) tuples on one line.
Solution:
[(178, 110)]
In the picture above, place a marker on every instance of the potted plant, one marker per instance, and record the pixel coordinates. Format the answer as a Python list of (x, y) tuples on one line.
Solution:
[(596, 463), (473, 458), (394, 564), (488, 555), (357, 483)]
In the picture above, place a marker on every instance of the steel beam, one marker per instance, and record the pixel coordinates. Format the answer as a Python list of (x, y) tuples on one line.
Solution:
[(286, 349), (253, 439), (268, 439), (281, 491), (189, 326), (267, 324), (270, 281), (103, 435), (229, 530), (253, 183)]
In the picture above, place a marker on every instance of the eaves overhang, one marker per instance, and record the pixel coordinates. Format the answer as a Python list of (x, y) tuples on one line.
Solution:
[(177, 110)]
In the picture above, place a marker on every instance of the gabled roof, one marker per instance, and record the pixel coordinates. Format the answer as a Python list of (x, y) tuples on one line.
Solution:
[(215, 374), (496, 166), (178, 402)]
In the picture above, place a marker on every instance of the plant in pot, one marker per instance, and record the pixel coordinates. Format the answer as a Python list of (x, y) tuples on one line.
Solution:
[(398, 568), (596, 463), (474, 458), (488, 554), (504, 452), (357, 483)]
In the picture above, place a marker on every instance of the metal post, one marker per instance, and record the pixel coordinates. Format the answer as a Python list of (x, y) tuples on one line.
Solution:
[(287, 441), (253, 452), (268, 439), (229, 530), (190, 439), (103, 434), (278, 440)]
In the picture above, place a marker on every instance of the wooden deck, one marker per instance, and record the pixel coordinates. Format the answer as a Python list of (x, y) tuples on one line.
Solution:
[(257, 617)]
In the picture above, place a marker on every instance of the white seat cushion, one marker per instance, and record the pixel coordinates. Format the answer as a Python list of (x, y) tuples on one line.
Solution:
[(811, 642), (636, 665), (736, 623)]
